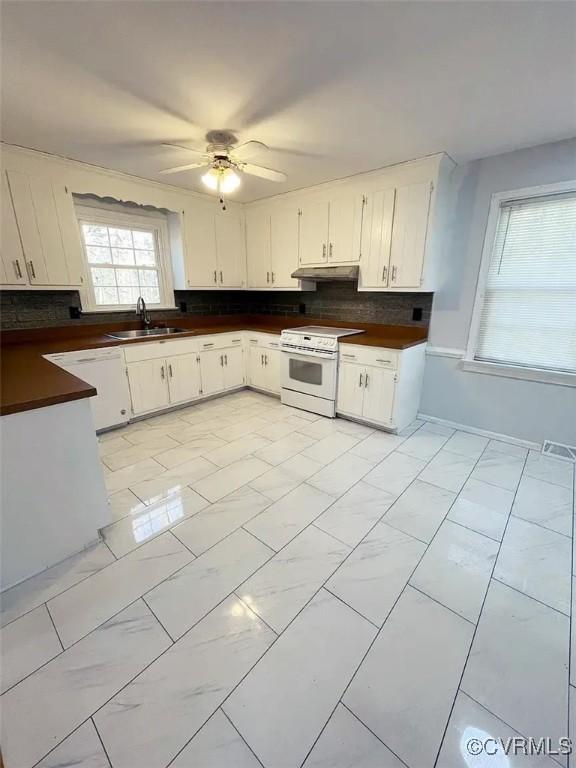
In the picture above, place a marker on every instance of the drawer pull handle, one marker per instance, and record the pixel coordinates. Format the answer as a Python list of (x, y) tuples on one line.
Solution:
[(267, 277), (211, 344), (222, 360), (31, 265), (366, 382), (272, 276), (360, 382), (215, 278), (350, 357), (384, 271), (170, 370), (17, 269), (226, 360), (394, 274), (379, 360), (162, 374), (221, 277)]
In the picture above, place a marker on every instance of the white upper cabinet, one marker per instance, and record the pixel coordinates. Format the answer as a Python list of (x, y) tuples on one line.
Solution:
[(313, 241), (409, 230), (258, 253), (284, 246), (345, 228), (272, 246), (48, 232), (331, 230), (12, 269), (377, 237), (214, 255), (230, 252)]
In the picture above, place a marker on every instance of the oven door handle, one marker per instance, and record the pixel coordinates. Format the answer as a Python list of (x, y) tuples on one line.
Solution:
[(306, 355)]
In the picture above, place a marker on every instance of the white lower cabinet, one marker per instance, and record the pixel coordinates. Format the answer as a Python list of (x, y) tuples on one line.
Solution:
[(163, 374), (263, 364), (184, 381), (148, 383), (380, 386)]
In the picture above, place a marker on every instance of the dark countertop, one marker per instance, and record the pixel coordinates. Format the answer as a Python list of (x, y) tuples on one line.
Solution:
[(28, 381)]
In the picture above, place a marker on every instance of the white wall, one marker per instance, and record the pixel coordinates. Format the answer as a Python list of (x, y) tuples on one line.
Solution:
[(522, 409)]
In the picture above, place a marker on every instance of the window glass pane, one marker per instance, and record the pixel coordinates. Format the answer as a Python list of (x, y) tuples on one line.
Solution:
[(123, 255), (127, 277), (143, 240), (151, 295), (120, 238), (148, 277), (128, 295), (123, 263), (95, 234), (106, 295), (103, 276), (145, 258), (98, 255)]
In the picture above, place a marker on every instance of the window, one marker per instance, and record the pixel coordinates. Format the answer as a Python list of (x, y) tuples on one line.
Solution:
[(126, 257), (525, 314)]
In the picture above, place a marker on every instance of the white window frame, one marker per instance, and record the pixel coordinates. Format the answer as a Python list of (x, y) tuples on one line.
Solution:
[(469, 363), (133, 220)]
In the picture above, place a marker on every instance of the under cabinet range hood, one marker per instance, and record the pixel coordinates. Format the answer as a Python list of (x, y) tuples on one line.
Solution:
[(323, 274)]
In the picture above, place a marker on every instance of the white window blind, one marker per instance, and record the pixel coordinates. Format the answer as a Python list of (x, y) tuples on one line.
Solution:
[(528, 316)]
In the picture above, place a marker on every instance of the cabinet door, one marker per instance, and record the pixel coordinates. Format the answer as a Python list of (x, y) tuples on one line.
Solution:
[(350, 388), (313, 236), (255, 367), (200, 247), (21, 193), (409, 235), (258, 249), (69, 229), (233, 367), (379, 388), (230, 250), (12, 268), (183, 377), (272, 370), (284, 246), (50, 235), (148, 382), (345, 228), (212, 371), (377, 237)]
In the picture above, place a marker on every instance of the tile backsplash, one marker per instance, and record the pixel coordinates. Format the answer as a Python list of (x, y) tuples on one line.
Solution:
[(333, 301)]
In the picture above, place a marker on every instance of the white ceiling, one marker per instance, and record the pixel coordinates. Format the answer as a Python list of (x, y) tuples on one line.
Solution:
[(334, 88)]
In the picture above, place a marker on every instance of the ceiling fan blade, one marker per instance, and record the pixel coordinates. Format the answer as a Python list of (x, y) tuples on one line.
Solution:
[(178, 168), (248, 148), (187, 149), (263, 173)]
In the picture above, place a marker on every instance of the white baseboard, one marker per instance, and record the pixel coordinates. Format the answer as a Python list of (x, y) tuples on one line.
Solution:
[(483, 432)]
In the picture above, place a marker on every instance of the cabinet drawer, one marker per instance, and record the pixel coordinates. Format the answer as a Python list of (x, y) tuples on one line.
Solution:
[(379, 357), (220, 341), (267, 340), (153, 350)]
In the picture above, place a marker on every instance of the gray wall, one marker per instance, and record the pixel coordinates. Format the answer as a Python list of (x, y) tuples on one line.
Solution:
[(528, 410)]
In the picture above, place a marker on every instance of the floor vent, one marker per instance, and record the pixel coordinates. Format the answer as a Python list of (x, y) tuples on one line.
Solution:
[(559, 451)]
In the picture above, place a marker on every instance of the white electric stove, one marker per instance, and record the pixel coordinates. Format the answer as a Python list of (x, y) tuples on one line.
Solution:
[(309, 370)]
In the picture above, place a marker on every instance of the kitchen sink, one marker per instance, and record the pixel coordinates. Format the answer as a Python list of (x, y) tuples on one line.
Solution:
[(145, 332)]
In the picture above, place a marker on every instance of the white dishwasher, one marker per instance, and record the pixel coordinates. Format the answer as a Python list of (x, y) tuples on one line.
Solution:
[(104, 370)]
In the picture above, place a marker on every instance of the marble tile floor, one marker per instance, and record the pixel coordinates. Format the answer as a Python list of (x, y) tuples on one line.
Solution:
[(282, 590)]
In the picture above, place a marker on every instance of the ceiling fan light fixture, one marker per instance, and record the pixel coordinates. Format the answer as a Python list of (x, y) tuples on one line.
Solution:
[(222, 180)]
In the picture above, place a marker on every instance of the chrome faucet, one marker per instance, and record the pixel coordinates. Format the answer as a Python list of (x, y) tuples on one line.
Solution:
[(142, 311)]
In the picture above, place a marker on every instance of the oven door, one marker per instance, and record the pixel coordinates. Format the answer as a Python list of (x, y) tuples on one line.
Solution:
[(309, 374)]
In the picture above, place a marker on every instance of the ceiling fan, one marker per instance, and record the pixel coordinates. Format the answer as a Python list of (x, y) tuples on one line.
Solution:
[(224, 160)]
